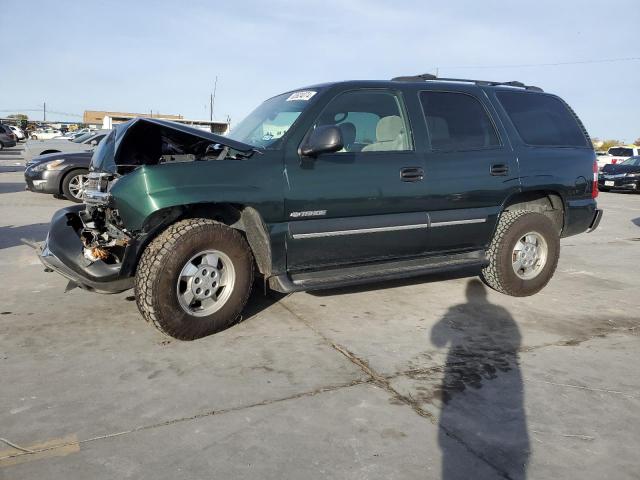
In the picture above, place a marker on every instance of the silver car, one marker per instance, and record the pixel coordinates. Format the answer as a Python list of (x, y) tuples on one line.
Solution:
[(83, 143)]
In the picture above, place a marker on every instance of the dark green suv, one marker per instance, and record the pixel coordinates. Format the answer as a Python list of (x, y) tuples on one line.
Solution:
[(330, 185)]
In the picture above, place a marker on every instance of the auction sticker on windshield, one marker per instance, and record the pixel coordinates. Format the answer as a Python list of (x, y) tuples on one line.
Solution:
[(302, 95)]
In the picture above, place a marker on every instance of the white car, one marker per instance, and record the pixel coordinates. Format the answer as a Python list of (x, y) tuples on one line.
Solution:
[(83, 143), (18, 132), (617, 154), (45, 134)]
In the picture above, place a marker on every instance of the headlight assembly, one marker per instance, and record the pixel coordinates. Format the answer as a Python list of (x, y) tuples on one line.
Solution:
[(50, 165)]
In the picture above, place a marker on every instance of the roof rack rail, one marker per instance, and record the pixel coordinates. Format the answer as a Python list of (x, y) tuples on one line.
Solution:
[(485, 83)]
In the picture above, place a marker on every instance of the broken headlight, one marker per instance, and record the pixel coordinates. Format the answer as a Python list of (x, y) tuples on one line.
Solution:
[(97, 188)]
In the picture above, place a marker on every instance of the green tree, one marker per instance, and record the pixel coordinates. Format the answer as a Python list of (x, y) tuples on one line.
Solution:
[(607, 144)]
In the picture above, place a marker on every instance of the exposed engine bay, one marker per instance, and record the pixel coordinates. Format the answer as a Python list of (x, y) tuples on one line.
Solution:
[(129, 146)]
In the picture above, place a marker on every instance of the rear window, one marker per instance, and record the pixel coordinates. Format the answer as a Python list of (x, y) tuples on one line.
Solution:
[(542, 120), (620, 152)]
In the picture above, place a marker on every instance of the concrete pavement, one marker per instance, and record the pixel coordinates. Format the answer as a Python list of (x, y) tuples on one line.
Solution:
[(431, 378)]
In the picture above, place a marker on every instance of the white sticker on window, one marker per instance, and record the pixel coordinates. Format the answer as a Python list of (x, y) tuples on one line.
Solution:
[(303, 95)]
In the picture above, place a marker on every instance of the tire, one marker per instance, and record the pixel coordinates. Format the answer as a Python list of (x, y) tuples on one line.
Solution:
[(157, 282), (501, 274), (69, 186), (1, 146)]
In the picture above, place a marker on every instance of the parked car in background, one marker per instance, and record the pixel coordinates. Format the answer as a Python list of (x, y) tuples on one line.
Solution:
[(617, 154), (86, 142), (59, 174), (45, 134), (622, 176), (327, 186), (7, 137), (69, 135), (20, 135)]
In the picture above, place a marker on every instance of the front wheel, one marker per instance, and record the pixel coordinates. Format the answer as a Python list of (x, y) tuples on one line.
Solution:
[(523, 254), (194, 279)]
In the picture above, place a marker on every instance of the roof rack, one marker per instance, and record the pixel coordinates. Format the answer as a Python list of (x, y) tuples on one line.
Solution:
[(485, 83)]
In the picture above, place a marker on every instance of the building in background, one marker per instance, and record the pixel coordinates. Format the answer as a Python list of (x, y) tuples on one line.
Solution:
[(106, 120)]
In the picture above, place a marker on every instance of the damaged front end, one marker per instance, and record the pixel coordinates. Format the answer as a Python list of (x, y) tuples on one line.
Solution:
[(90, 244)]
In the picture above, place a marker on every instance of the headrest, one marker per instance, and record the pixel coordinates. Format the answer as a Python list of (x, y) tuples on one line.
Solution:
[(389, 128)]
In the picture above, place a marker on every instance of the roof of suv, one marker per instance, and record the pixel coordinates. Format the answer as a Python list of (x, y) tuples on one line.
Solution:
[(422, 79)]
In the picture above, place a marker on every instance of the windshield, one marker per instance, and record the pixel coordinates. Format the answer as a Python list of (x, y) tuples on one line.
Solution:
[(268, 123), (82, 138), (633, 161)]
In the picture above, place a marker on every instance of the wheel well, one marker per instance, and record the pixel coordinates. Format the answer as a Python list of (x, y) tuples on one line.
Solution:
[(548, 203), (49, 151), (74, 169), (240, 217)]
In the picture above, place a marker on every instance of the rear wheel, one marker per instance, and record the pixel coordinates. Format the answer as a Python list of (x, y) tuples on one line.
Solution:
[(73, 185), (194, 279), (523, 254)]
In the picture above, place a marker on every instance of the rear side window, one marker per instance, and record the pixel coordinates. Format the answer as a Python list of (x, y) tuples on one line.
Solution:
[(457, 121), (542, 120)]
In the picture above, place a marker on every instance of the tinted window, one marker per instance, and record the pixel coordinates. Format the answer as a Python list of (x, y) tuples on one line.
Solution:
[(457, 121), (633, 161), (542, 120), (620, 152), (370, 121)]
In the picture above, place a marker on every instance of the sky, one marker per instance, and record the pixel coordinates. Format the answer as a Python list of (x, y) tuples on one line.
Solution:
[(164, 56)]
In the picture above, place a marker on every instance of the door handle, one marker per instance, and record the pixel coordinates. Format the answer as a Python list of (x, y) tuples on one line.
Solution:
[(411, 174), (499, 169)]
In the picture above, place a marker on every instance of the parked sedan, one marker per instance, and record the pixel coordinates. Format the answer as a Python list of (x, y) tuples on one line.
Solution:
[(622, 176), (45, 134), (59, 174), (7, 137), (86, 142)]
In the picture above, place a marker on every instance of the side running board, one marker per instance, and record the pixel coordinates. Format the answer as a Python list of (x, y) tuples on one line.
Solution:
[(374, 272)]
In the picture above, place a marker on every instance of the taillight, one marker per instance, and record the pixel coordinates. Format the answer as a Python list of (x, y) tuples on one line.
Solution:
[(614, 161), (594, 187)]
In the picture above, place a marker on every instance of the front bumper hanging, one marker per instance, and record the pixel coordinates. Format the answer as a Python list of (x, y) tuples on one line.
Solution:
[(62, 252)]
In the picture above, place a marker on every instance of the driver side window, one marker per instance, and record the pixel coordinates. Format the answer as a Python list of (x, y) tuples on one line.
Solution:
[(369, 120)]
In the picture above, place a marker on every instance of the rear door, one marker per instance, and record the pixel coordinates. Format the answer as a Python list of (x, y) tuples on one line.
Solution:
[(470, 168), (366, 202)]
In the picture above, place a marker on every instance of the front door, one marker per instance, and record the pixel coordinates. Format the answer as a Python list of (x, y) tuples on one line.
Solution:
[(366, 202)]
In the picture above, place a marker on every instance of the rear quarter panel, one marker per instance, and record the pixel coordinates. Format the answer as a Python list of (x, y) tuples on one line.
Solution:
[(566, 171)]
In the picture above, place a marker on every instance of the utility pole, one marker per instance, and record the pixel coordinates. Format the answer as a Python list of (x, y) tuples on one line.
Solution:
[(212, 99), (44, 111)]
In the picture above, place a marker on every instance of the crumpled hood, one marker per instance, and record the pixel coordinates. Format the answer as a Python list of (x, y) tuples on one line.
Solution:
[(143, 141)]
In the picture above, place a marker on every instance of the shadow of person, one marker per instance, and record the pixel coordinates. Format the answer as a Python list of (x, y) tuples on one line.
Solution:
[(482, 394)]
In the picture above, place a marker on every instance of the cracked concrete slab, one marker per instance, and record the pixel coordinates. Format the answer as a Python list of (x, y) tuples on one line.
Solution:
[(351, 433)]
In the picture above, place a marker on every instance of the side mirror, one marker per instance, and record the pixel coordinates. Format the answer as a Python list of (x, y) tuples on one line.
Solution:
[(93, 143), (324, 139)]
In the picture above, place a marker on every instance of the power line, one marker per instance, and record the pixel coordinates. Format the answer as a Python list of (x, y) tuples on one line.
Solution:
[(554, 64), (19, 110)]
